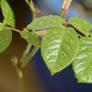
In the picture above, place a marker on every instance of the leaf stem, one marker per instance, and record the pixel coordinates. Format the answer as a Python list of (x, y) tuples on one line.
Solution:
[(64, 9), (61, 12), (32, 8), (18, 31), (27, 2), (27, 59), (25, 52), (19, 74), (12, 28)]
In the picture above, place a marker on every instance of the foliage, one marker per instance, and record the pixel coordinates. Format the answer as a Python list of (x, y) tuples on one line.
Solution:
[(56, 50), (60, 46)]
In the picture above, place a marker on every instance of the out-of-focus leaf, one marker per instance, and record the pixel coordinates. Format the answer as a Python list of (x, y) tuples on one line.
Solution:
[(7, 13), (5, 38)]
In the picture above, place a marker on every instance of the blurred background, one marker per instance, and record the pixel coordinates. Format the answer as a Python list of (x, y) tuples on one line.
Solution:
[(36, 75), (8, 77)]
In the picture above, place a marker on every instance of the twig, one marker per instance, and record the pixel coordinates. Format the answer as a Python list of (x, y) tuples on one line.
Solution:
[(31, 6), (27, 59), (19, 73), (11, 28), (25, 52), (64, 9)]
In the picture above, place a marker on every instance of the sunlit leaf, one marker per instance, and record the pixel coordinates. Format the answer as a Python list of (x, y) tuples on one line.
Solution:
[(82, 64), (59, 47), (45, 22), (81, 24)]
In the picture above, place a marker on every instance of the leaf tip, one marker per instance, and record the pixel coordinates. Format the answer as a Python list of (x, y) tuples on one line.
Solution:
[(52, 72)]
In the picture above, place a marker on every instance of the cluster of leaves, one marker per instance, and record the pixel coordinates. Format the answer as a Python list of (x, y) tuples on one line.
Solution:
[(60, 46)]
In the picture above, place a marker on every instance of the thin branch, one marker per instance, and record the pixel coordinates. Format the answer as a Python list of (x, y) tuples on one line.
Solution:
[(66, 4), (28, 58), (12, 28), (64, 9), (19, 73), (32, 8), (28, 3), (25, 52)]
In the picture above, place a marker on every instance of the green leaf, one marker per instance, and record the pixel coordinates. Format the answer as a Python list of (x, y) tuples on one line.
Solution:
[(5, 38), (30, 37), (7, 13), (81, 24), (46, 22), (82, 64), (59, 47)]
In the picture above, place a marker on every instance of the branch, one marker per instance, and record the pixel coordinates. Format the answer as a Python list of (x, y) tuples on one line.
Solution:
[(66, 4)]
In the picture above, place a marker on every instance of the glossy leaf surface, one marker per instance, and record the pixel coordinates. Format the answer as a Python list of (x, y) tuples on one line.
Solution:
[(81, 24), (5, 38), (59, 47), (7, 13), (82, 64), (30, 37), (45, 22)]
